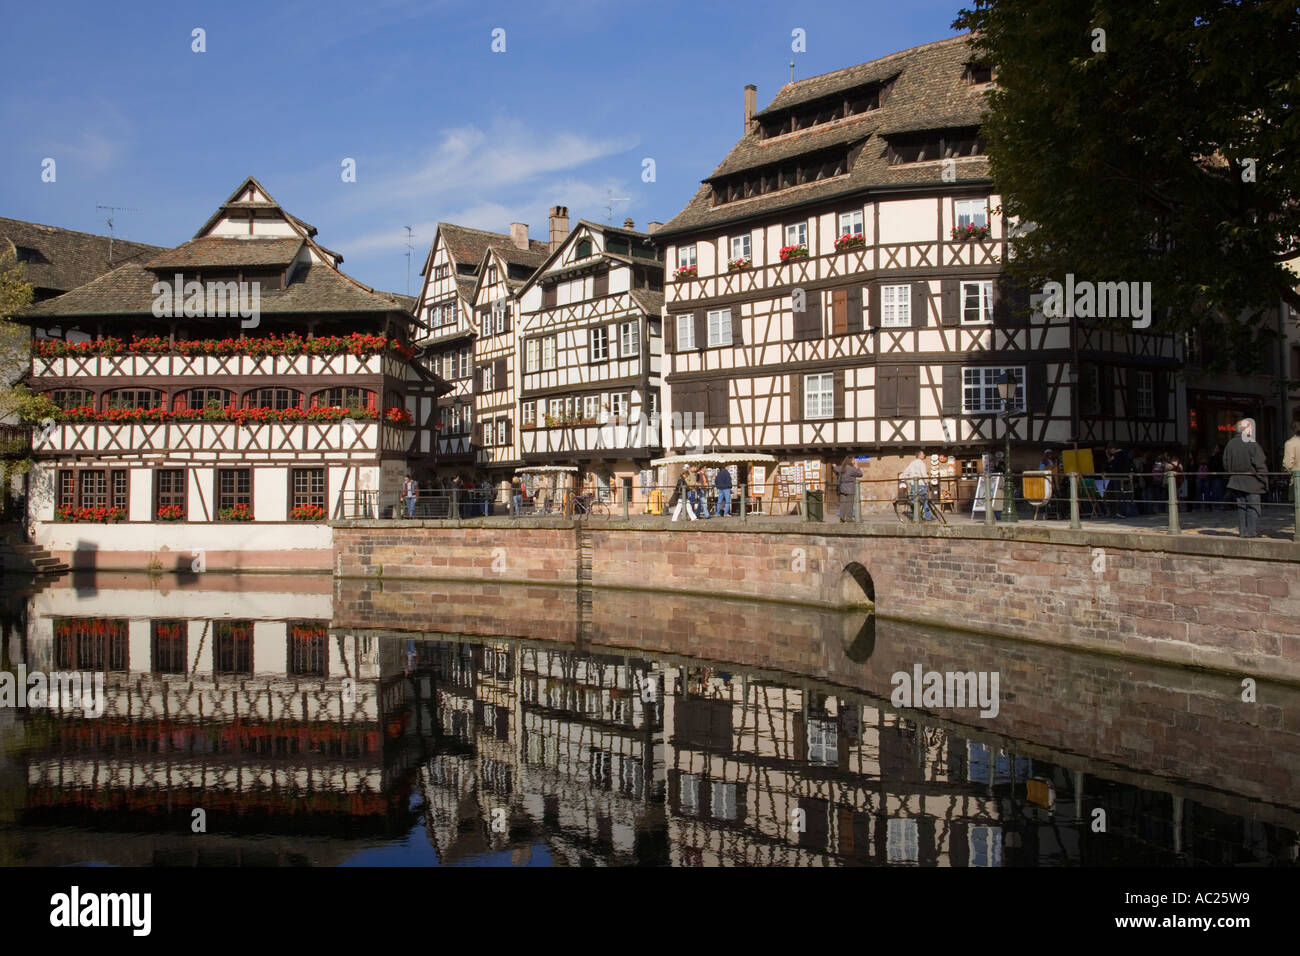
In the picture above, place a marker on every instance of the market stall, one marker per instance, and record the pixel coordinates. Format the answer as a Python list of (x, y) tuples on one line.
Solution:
[(549, 487), (755, 465)]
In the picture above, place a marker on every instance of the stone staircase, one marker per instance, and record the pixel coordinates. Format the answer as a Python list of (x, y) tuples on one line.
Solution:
[(17, 557)]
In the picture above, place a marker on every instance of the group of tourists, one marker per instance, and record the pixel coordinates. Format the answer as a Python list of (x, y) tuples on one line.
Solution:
[(691, 493), (473, 496)]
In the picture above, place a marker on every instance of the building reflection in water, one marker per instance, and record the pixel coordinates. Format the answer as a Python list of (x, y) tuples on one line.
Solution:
[(314, 727)]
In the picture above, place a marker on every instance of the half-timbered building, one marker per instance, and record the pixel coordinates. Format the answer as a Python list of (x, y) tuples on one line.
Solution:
[(590, 348), (237, 380), (447, 307), (835, 287)]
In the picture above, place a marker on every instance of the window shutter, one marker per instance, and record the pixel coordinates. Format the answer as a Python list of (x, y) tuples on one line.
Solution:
[(1036, 387), (549, 297), (670, 334), (1106, 387), (909, 392), (478, 380), (615, 343), (600, 285), (886, 392), (839, 395), (701, 330), (510, 430), (839, 312), (499, 375), (737, 330), (853, 305), (814, 304), (920, 304), (1010, 303), (952, 390), (873, 305), (719, 407), (950, 296), (796, 398)]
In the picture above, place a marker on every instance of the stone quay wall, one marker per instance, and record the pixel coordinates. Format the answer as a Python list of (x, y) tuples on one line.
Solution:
[(1219, 603)]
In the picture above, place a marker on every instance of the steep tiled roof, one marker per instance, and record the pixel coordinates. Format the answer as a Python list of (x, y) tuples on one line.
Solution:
[(223, 251), (468, 245), (128, 290), (651, 302), (929, 92), (70, 258)]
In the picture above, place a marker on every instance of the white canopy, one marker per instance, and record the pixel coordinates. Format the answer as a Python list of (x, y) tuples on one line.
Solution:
[(717, 458), (546, 469)]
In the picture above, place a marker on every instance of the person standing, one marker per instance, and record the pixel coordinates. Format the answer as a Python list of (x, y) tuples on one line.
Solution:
[(1244, 461), (516, 496), (848, 474), (1291, 451), (682, 495), (722, 484), (410, 493), (701, 492), (916, 476)]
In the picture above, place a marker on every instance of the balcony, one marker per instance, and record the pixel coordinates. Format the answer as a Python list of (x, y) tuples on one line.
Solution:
[(272, 440)]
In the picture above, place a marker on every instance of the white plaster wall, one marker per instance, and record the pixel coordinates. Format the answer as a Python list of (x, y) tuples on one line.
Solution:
[(184, 537)]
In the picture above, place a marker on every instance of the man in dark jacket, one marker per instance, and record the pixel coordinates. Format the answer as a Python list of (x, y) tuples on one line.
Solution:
[(1244, 460), (722, 483)]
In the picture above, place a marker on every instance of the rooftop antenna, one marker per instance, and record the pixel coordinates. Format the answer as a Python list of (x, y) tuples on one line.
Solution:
[(410, 247), (792, 71), (609, 205), (112, 213)]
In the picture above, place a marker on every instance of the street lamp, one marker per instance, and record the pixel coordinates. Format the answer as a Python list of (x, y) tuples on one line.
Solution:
[(1007, 392)]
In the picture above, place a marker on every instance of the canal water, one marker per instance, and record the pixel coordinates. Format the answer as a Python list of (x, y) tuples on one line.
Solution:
[(291, 721)]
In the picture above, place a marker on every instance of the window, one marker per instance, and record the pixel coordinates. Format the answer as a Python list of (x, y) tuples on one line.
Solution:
[(980, 389), (971, 212), (548, 353), (492, 273), (719, 327), (629, 339), (584, 249), (485, 378), (200, 398), (169, 646), (823, 742), (591, 408), (465, 356), (796, 234), (170, 489), (278, 398), (976, 303), (134, 398), (689, 794), (901, 841), (985, 846), (234, 487), (529, 414), (819, 395), (93, 492), (68, 398), (851, 224), (500, 312), (308, 654), (685, 332), (740, 247), (485, 324), (308, 487), (441, 272), (599, 343), (686, 256), (895, 306), (556, 408), (1090, 390), (443, 313), (233, 649), (67, 492), (532, 355), (1146, 394), (723, 800), (618, 405), (977, 73)]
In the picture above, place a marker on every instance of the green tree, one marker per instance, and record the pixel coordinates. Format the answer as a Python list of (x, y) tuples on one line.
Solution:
[(1151, 142), (15, 339)]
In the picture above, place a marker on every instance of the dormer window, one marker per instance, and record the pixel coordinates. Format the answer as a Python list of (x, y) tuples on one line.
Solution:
[(825, 109), (583, 250), (978, 73), (931, 145)]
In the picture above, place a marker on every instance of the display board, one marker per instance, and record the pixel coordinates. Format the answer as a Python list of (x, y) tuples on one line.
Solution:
[(757, 479), (1079, 460), (977, 506)]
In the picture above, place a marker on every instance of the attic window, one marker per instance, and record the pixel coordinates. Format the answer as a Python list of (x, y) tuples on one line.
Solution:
[(977, 73), (826, 109), (931, 145), (797, 171), (583, 249), (26, 254), (618, 246)]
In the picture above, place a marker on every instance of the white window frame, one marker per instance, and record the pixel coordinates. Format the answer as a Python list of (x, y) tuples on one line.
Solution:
[(902, 842), (499, 311), (685, 332), (895, 306), (984, 378), (686, 256), (722, 804), (740, 247), (985, 846), (719, 324), (796, 234), (555, 409), (599, 343), (466, 355), (629, 339), (591, 407), (688, 793), (983, 289), (486, 377), (823, 397), (968, 212), (851, 224), (1145, 404), (533, 355), (485, 326), (823, 742), (550, 349), (528, 413)]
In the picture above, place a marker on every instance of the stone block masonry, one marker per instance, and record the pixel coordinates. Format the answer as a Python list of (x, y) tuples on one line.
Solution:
[(1222, 604)]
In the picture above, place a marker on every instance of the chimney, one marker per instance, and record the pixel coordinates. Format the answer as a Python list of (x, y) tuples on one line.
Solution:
[(559, 226), (653, 227), (751, 104), (628, 224), (519, 235)]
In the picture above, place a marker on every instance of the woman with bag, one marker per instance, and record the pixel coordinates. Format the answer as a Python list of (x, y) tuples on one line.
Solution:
[(681, 495)]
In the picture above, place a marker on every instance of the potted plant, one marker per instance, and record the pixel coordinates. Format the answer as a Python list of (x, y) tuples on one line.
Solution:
[(972, 231), (686, 272), (849, 241), (236, 513), (307, 513), (793, 252), (741, 262), (171, 513)]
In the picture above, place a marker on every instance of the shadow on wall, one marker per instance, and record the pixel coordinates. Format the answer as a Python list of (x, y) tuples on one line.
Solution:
[(82, 562)]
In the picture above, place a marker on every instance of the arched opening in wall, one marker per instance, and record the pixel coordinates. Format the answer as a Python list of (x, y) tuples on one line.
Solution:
[(859, 632), (856, 584)]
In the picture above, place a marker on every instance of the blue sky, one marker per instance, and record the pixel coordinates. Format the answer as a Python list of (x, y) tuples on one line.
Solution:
[(440, 126)]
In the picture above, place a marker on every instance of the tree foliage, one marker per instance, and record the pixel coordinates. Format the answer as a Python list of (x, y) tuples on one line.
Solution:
[(1162, 149), (15, 339)]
